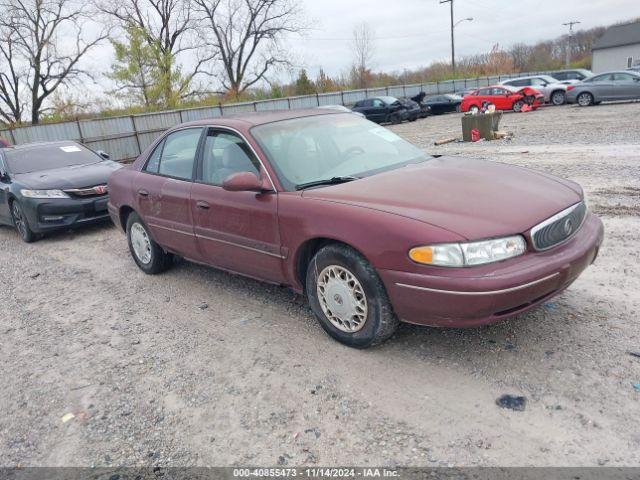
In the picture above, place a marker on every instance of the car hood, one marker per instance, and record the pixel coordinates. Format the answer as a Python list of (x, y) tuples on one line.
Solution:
[(75, 176), (473, 198)]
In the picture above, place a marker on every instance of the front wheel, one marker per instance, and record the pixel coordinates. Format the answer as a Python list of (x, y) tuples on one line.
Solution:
[(21, 223), (585, 99), (474, 109), (517, 106), (348, 297), (148, 255), (558, 98), (394, 119)]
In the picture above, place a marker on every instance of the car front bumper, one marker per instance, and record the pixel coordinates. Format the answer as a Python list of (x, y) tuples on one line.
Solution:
[(45, 215), (486, 294)]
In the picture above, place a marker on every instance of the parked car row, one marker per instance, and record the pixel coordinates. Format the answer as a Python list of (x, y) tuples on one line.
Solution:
[(369, 227)]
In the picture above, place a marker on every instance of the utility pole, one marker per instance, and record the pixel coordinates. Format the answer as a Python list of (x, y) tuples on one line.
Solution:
[(569, 42), (453, 48)]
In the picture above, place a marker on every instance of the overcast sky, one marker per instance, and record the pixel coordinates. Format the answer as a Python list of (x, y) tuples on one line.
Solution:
[(412, 33)]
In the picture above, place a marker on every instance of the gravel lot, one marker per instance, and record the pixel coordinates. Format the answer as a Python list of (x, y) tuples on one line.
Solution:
[(198, 367)]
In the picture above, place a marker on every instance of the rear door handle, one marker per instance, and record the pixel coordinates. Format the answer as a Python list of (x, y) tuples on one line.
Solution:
[(143, 193), (203, 205)]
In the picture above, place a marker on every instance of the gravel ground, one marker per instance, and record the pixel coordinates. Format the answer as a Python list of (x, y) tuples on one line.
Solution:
[(198, 367)]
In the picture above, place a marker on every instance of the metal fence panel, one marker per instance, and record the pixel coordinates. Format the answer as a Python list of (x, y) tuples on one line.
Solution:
[(193, 114), (376, 92), (308, 101), (330, 98), (156, 122), (411, 90), (238, 108), (352, 96), (106, 127), (277, 104), (47, 133), (147, 139), (119, 149)]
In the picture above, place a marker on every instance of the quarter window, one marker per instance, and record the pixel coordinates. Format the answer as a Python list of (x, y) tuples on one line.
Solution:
[(179, 153), (225, 154), (154, 159)]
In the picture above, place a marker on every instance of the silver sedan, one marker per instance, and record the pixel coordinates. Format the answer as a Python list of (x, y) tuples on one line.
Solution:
[(554, 92), (609, 86)]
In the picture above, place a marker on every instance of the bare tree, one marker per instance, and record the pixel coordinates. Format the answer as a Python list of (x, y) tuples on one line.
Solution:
[(12, 78), (169, 28), (40, 32), (247, 34), (363, 51)]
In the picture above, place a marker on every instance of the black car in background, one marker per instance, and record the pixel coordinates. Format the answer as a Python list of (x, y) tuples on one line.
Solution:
[(443, 103), (382, 109), (52, 186)]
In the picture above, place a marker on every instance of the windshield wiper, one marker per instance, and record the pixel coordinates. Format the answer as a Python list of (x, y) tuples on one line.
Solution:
[(326, 181)]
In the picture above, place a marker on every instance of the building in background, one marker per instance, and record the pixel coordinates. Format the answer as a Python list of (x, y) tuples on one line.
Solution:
[(617, 49)]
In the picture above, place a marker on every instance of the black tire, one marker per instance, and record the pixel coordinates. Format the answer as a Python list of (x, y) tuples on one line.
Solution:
[(21, 223), (474, 109), (558, 98), (159, 260), (587, 99), (517, 106), (394, 119), (380, 322)]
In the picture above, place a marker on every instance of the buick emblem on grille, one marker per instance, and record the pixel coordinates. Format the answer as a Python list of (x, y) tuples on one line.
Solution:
[(568, 227), (100, 189)]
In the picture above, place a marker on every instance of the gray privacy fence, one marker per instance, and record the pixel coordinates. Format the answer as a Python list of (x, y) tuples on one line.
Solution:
[(124, 138)]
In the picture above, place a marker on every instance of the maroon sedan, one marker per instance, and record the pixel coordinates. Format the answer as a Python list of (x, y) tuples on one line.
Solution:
[(369, 227)]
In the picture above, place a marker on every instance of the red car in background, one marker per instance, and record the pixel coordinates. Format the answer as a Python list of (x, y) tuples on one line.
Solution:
[(503, 97)]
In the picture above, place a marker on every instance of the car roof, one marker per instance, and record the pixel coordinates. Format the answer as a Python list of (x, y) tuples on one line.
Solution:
[(251, 119), (618, 71)]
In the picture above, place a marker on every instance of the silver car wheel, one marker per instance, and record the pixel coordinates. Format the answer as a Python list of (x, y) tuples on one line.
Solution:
[(474, 109), (342, 298), (558, 98), (585, 99), (140, 242)]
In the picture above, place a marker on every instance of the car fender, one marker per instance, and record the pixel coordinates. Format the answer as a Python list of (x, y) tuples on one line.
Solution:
[(383, 238)]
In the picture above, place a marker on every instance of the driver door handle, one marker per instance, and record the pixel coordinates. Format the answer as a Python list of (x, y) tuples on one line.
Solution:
[(203, 205), (143, 193)]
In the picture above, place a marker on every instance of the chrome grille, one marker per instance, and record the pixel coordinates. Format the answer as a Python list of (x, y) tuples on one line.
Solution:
[(558, 228), (95, 191)]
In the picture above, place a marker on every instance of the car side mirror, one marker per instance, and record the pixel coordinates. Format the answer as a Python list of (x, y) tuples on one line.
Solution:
[(244, 182), (104, 155)]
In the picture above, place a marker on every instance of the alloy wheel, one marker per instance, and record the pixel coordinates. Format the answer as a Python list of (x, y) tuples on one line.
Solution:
[(18, 220), (585, 99), (342, 298), (558, 98)]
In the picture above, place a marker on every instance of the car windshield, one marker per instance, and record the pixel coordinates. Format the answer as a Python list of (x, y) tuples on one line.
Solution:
[(322, 147), (48, 157)]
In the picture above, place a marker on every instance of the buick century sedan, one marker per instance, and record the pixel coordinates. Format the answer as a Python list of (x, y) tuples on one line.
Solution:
[(370, 228)]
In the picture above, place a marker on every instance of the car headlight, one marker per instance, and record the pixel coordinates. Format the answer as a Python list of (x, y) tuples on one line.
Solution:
[(43, 193), (469, 254)]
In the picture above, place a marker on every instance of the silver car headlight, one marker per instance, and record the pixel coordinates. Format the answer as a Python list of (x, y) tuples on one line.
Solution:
[(470, 253), (43, 193)]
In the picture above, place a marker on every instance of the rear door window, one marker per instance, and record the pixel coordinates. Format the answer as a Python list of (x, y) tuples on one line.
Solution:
[(179, 153)]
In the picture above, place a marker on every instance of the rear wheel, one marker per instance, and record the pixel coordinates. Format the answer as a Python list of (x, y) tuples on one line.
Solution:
[(394, 119), (21, 224), (517, 106), (474, 109), (148, 255), (558, 98), (585, 99), (348, 297)]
